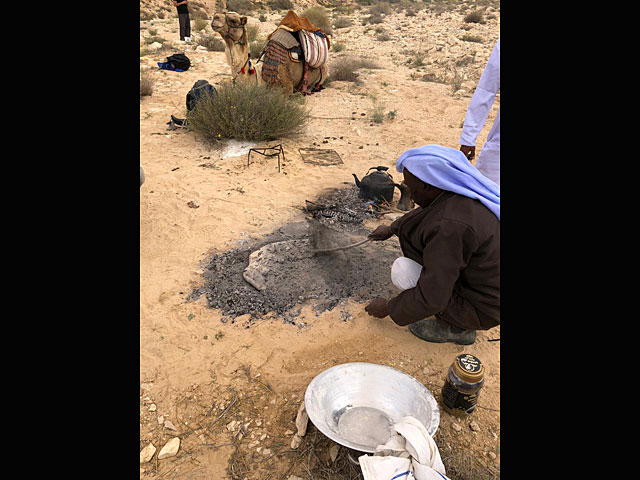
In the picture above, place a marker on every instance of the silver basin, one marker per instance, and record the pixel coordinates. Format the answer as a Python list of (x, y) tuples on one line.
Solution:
[(356, 404)]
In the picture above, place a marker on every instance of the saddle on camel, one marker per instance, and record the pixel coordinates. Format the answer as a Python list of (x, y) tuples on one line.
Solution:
[(296, 40)]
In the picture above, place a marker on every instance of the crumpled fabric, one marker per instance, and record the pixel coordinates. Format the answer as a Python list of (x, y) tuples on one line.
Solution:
[(409, 453)]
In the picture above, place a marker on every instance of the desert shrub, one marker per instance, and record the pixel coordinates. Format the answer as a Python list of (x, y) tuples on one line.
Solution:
[(154, 38), (262, 17), (377, 113), (252, 32), (337, 47), (474, 17), (242, 7), (379, 9), (248, 111), (383, 37), (471, 38), (198, 13), (346, 69), (342, 22), (281, 4), (146, 85), (410, 12), (212, 42), (200, 24), (319, 16), (256, 47), (373, 19)]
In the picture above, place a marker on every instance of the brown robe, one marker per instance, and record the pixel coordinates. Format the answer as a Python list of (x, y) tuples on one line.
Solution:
[(457, 241)]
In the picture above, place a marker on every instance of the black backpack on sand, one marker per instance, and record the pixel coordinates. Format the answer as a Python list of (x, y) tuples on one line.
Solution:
[(179, 60), (200, 88)]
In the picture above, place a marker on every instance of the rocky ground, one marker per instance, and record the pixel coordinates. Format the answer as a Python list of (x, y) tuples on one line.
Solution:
[(218, 399)]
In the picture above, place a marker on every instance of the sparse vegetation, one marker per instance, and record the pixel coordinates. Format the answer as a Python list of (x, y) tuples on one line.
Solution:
[(212, 42), (345, 69), (383, 37), (337, 47), (281, 4), (256, 47), (471, 38), (475, 17), (248, 112), (200, 24), (319, 17), (146, 85), (342, 22), (242, 7), (252, 32)]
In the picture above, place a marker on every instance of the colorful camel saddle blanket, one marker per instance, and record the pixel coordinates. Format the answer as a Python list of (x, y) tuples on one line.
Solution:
[(315, 48), (274, 55)]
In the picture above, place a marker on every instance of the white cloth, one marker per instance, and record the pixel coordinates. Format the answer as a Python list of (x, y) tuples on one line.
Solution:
[(410, 453), (483, 98), (405, 273)]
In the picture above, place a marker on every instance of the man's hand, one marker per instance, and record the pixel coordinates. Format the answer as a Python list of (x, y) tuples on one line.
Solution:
[(469, 152), (381, 233), (377, 308)]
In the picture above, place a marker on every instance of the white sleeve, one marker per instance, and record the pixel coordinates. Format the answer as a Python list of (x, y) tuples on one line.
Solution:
[(482, 99)]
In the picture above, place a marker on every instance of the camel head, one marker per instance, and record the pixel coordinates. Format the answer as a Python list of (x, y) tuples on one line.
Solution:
[(229, 25)]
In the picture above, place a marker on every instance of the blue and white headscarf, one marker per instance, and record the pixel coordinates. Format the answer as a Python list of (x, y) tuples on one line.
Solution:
[(449, 169)]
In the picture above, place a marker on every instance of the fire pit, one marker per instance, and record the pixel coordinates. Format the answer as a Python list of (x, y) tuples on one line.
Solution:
[(288, 275)]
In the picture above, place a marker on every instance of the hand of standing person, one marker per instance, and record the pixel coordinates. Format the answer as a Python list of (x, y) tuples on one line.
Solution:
[(381, 233), (377, 308), (469, 151)]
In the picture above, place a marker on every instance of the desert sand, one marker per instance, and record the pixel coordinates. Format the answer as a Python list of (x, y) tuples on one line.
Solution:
[(230, 391)]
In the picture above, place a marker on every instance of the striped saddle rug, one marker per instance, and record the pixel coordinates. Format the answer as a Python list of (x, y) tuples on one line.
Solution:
[(315, 48)]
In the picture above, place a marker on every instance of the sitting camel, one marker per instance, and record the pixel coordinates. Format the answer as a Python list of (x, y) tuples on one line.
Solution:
[(289, 72)]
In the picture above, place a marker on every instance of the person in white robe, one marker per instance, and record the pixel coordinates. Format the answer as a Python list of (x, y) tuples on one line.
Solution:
[(483, 98)]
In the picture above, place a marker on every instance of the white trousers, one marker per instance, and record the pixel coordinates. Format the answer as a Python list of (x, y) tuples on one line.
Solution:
[(405, 273), (489, 159)]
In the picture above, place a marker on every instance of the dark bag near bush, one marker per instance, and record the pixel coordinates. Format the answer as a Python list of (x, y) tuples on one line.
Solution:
[(180, 61), (201, 87)]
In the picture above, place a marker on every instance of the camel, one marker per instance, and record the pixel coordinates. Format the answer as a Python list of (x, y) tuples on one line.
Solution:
[(232, 28)]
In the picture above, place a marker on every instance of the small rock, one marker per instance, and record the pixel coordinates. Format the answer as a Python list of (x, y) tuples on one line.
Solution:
[(266, 451), (288, 432), (152, 407), (302, 420), (474, 426), (168, 424), (170, 449), (155, 46), (456, 427), (492, 455), (333, 452), (160, 420), (193, 204), (295, 442), (146, 453), (231, 426)]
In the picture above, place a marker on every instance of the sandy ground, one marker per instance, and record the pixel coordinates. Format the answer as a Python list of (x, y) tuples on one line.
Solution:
[(193, 366)]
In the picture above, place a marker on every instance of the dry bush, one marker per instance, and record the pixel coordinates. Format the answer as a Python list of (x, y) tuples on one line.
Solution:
[(212, 42), (281, 4), (248, 111), (346, 69), (146, 85), (342, 22), (252, 32), (200, 24), (471, 38), (379, 9), (383, 37), (320, 18), (475, 17), (243, 7), (255, 48), (373, 19)]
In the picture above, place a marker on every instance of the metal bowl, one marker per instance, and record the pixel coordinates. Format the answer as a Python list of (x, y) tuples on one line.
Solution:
[(356, 404)]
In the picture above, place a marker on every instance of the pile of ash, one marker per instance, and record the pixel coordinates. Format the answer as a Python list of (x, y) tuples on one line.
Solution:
[(291, 275), (342, 208)]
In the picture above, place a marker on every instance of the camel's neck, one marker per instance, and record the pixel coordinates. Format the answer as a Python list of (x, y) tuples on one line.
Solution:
[(237, 53)]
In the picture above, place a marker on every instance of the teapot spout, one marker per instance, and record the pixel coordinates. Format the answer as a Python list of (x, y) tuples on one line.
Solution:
[(357, 181)]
